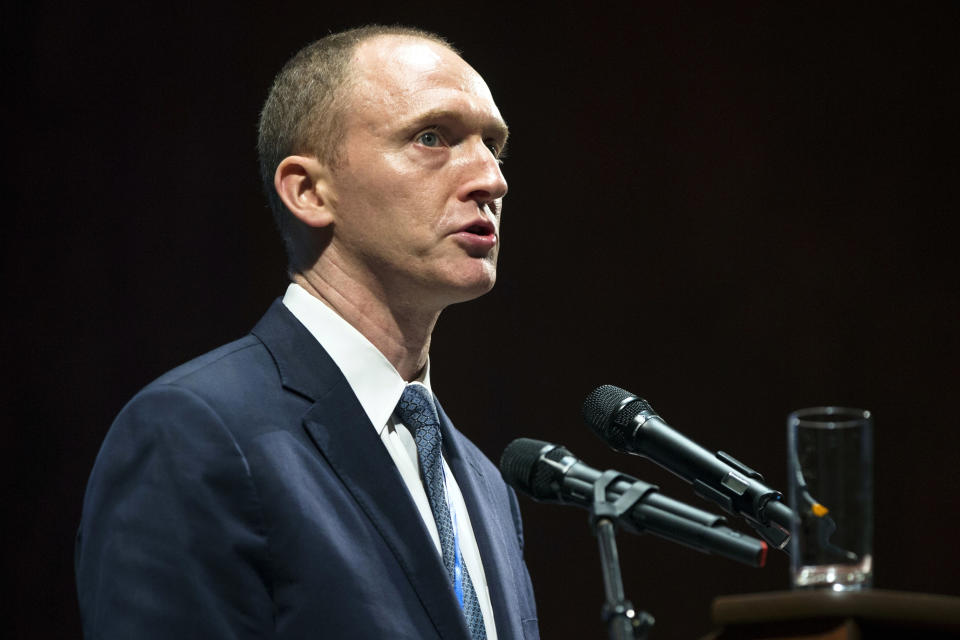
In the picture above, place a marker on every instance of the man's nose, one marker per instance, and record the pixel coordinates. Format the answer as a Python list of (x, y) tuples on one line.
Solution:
[(485, 182)]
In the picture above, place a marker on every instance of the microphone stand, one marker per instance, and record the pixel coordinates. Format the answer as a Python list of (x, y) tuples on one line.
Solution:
[(618, 614)]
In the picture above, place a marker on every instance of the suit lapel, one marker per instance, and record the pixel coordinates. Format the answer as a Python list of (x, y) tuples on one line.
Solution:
[(344, 436), (488, 529)]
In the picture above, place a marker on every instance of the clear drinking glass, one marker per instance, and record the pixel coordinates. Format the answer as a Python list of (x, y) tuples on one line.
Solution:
[(830, 467)]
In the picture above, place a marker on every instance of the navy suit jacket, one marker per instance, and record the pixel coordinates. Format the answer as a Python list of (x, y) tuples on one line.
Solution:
[(246, 494)]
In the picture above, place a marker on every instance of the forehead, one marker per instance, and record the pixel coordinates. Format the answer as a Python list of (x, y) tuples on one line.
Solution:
[(400, 77)]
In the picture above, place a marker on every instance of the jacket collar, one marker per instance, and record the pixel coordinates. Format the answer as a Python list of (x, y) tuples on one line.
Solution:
[(303, 364)]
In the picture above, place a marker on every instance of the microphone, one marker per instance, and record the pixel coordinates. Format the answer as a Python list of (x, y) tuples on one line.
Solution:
[(629, 424), (550, 473)]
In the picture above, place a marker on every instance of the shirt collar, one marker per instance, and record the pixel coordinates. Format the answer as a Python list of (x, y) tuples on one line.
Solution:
[(376, 383)]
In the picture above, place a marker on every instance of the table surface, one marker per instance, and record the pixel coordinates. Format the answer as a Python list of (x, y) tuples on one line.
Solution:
[(868, 604)]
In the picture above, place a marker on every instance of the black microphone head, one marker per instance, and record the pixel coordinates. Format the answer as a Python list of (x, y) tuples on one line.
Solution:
[(610, 411), (518, 460), (522, 467)]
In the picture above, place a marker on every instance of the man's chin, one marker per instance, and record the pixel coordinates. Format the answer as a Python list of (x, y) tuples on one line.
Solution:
[(475, 290), (474, 285)]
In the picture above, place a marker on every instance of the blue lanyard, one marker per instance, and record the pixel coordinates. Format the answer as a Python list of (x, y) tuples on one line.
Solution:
[(457, 556), (457, 561)]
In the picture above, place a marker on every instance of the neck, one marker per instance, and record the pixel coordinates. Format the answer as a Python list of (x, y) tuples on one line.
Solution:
[(400, 332)]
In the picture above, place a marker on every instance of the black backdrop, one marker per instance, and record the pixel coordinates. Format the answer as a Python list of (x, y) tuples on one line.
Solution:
[(734, 210)]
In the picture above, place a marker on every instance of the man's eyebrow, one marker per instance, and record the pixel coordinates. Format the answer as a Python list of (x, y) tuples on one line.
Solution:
[(504, 134), (495, 128)]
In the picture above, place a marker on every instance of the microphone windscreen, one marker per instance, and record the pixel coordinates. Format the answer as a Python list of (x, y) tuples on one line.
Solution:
[(601, 404), (610, 410), (528, 466), (518, 461)]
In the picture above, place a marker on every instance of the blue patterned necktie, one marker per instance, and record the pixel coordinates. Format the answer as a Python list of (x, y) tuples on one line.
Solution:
[(418, 412)]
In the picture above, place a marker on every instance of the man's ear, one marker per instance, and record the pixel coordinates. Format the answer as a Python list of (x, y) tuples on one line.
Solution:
[(304, 185)]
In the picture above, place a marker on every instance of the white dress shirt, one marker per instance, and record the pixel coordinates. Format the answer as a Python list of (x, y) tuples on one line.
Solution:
[(378, 386)]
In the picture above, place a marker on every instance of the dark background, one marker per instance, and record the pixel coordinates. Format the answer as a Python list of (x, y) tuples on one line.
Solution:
[(734, 210)]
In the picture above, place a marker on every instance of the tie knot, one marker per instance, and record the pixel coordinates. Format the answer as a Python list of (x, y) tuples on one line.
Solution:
[(416, 408)]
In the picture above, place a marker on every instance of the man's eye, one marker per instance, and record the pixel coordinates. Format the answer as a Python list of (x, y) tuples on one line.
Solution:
[(499, 155), (429, 139)]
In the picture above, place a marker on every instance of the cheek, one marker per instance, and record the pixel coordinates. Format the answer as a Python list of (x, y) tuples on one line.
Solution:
[(392, 195)]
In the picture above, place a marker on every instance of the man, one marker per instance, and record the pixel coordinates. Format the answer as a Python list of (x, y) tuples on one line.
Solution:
[(300, 482)]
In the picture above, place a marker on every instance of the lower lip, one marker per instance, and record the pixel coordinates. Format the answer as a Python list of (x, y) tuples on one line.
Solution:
[(476, 245)]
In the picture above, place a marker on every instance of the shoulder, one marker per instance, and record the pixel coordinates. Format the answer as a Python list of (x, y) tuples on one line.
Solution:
[(190, 425), (228, 395), (185, 405), (230, 381), (232, 363), (170, 491)]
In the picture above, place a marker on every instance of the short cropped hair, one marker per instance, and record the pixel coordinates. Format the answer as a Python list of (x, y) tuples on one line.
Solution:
[(304, 111)]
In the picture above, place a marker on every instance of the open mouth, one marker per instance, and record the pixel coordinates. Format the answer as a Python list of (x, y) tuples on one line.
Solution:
[(480, 229), (478, 238)]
